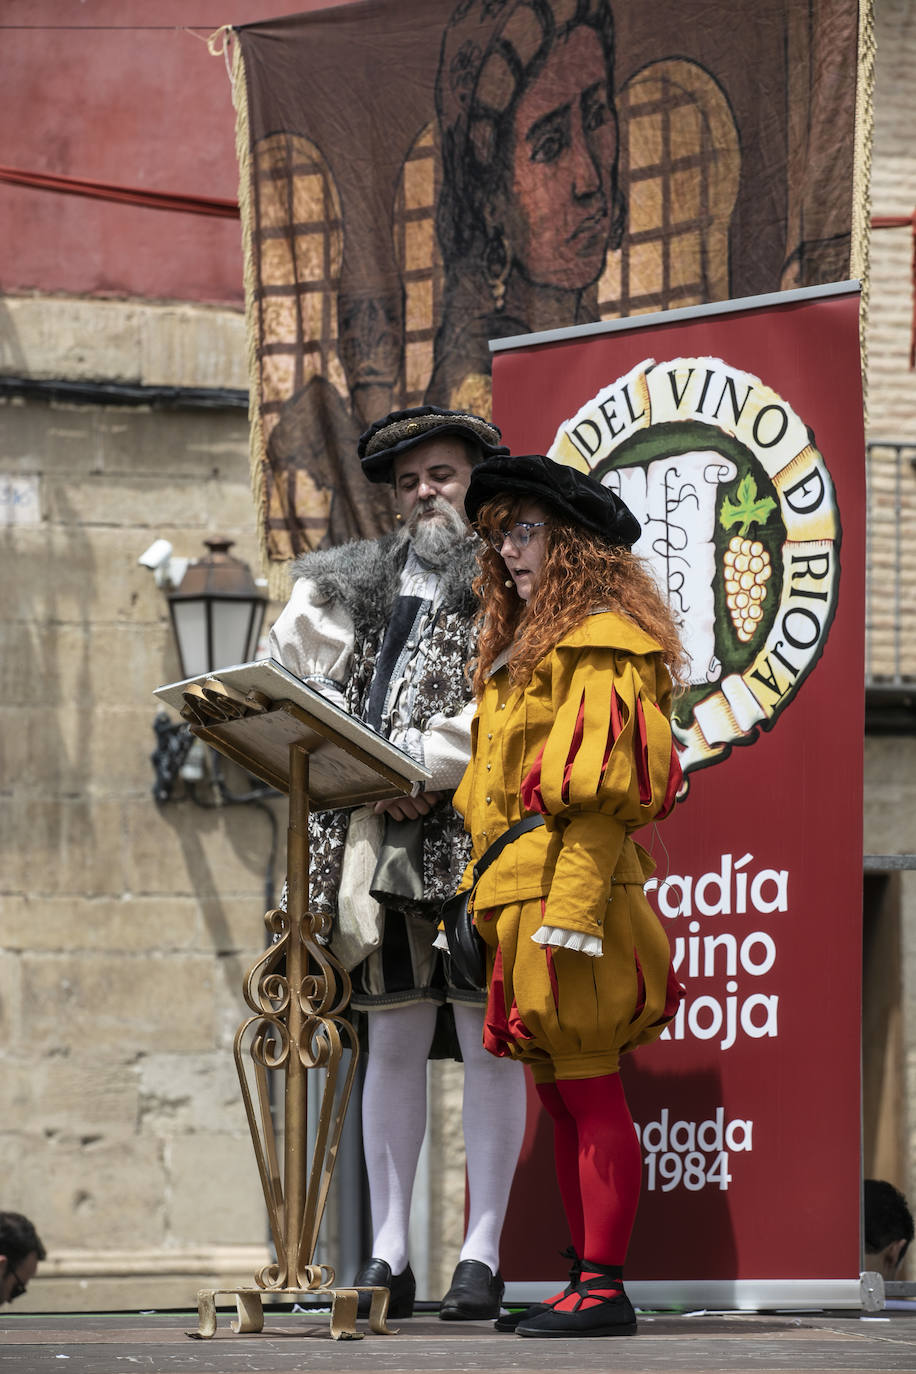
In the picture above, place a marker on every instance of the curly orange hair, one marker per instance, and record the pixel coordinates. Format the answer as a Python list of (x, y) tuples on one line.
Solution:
[(580, 573)]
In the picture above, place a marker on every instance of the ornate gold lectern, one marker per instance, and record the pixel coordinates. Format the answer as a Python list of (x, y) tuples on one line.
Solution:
[(291, 737)]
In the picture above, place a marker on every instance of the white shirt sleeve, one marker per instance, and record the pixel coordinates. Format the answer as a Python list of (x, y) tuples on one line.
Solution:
[(314, 638), (444, 747), (577, 940)]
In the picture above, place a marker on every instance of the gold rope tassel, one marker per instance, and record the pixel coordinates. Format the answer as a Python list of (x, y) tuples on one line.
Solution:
[(218, 45)]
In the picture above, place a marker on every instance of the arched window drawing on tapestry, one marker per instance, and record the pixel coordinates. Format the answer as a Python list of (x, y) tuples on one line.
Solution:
[(306, 416)]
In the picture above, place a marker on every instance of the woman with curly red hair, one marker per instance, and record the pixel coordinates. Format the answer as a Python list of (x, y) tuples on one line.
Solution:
[(571, 752)]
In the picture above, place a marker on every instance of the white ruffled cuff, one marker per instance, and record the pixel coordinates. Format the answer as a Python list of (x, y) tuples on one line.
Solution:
[(441, 942), (577, 940)]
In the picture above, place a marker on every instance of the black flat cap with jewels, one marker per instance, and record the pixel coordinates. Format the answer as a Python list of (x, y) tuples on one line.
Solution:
[(404, 429)]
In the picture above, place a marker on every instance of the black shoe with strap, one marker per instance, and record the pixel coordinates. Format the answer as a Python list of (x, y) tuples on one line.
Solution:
[(597, 1306), (402, 1288), (508, 1321), (475, 1294)]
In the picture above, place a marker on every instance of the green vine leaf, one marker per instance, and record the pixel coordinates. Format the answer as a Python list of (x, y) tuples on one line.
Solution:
[(750, 510)]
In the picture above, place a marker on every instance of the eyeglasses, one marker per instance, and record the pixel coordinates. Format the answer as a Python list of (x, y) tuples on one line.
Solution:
[(519, 536), (20, 1287)]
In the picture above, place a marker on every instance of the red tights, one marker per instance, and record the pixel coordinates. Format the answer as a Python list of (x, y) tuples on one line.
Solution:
[(599, 1164)]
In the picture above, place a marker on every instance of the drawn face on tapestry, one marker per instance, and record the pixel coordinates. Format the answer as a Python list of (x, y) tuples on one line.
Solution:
[(430, 481), (557, 217)]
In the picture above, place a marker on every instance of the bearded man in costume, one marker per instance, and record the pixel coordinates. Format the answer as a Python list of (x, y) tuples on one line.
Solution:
[(385, 628)]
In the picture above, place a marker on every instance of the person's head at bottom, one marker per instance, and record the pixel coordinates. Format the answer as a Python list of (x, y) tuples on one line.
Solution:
[(888, 1228), (558, 546), (20, 1252)]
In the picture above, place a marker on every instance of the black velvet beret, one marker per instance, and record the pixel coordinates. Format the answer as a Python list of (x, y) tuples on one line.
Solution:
[(573, 494), (404, 429)]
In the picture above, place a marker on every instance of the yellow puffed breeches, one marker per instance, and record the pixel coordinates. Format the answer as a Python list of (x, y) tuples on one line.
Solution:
[(566, 1013)]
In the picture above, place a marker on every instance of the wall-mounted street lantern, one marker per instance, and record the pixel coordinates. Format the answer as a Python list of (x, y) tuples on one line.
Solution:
[(217, 611)]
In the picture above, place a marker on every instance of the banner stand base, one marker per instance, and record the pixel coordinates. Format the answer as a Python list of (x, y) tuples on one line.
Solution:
[(865, 1294)]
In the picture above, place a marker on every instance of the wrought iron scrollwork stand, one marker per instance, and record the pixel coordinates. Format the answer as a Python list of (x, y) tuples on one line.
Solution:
[(297, 993)]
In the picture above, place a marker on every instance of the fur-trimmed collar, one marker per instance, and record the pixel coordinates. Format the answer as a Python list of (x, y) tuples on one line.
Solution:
[(365, 574)]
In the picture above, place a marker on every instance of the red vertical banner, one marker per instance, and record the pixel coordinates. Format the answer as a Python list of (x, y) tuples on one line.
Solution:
[(735, 434)]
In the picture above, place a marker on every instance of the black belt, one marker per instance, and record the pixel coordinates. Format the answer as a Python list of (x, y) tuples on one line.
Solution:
[(492, 853)]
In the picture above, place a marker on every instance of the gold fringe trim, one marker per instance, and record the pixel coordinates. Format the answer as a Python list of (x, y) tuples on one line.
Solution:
[(861, 174), (277, 575)]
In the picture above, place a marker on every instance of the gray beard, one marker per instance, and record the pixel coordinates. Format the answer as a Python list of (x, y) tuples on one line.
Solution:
[(434, 541)]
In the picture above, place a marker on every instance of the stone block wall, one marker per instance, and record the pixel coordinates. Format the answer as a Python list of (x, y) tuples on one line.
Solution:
[(125, 927), (890, 829), (890, 761), (891, 384)]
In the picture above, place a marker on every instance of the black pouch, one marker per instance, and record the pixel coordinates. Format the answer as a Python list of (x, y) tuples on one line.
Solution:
[(465, 947)]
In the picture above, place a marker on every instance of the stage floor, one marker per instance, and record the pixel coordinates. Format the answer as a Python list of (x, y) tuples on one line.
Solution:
[(156, 1343)]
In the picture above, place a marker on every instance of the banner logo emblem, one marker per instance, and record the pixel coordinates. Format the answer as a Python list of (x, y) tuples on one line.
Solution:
[(741, 527)]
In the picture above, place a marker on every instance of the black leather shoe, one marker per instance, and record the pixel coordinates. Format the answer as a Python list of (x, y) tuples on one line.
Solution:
[(475, 1294), (402, 1288)]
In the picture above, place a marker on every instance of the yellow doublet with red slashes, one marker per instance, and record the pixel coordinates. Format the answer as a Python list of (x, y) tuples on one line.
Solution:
[(588, 744)]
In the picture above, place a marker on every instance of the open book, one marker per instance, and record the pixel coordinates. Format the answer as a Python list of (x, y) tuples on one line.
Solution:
[(253, 712)]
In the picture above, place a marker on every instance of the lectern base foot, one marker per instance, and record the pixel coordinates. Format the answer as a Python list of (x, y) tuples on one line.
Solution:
[(249, 1304)]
